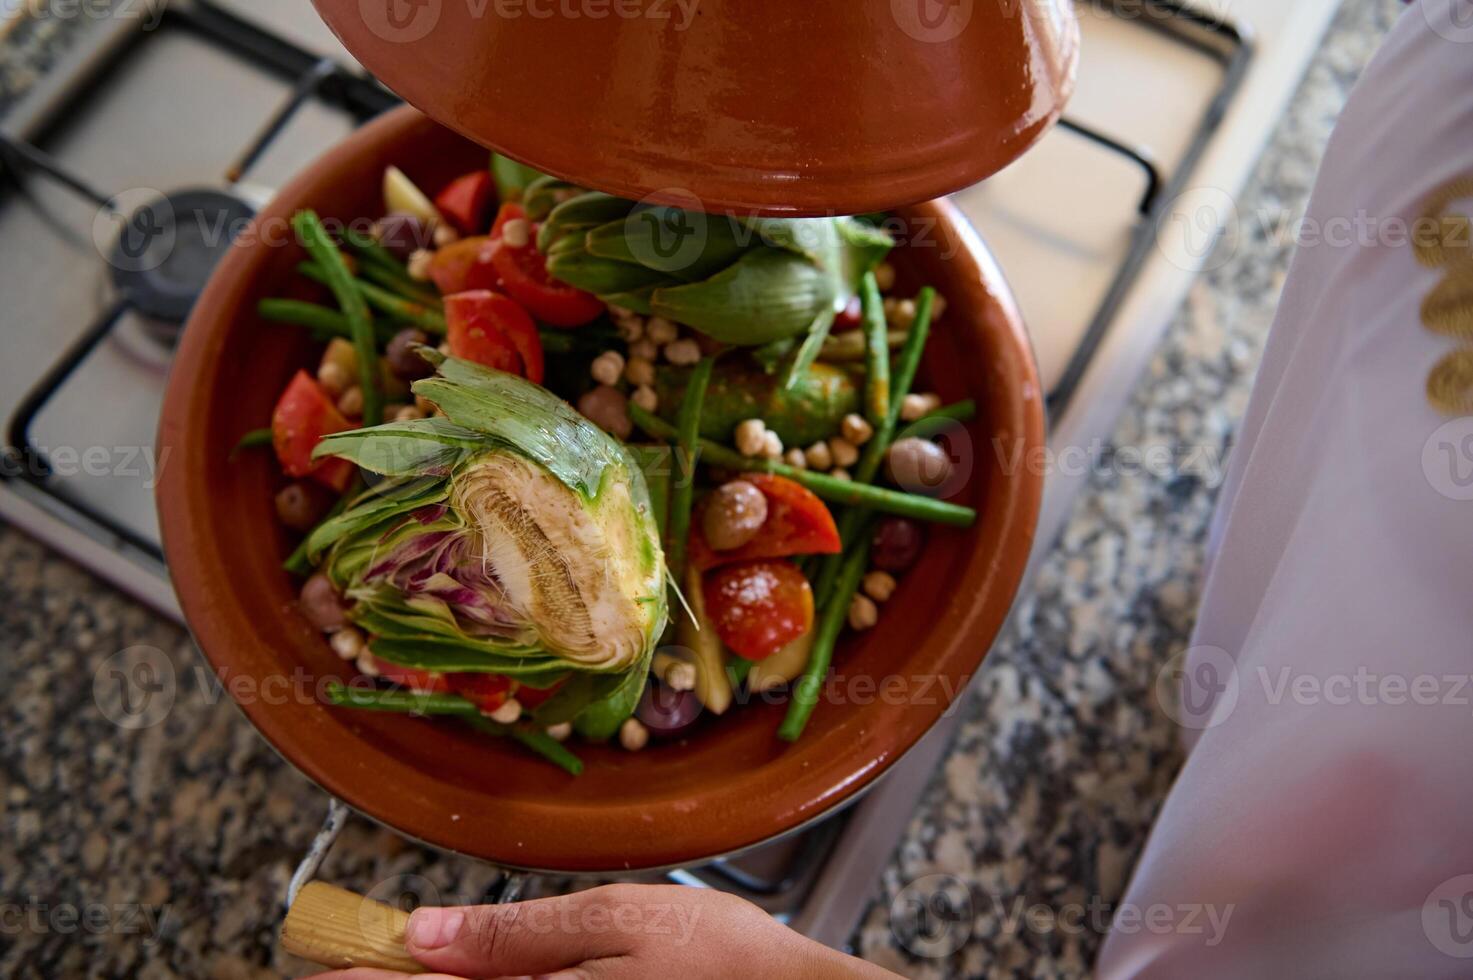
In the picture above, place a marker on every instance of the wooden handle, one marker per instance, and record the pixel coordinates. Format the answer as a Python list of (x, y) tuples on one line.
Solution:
[(336, 928)]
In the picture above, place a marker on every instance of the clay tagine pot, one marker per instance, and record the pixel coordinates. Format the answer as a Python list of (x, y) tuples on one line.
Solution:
[(730, 783), (777, 106)]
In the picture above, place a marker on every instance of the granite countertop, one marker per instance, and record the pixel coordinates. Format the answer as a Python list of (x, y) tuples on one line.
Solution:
[(173, 843)]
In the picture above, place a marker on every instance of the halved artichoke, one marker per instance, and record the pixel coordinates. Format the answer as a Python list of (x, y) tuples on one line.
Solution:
[(509, 536)]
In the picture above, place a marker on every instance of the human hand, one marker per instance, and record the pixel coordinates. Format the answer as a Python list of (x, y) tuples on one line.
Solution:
[(613, 933)]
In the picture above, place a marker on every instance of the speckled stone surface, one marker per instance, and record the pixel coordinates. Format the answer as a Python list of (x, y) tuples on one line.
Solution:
[(164, 851)]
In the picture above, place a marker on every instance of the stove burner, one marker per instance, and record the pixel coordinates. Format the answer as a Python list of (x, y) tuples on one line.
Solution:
[(167, 248)]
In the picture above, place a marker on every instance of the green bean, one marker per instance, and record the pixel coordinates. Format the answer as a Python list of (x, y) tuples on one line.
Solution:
[(906, 366), (849, 493), (405, 288), (254, 438), (430, 319), (540, 742), (935, 423), (806, 692), (434, 704), (351, 298), (877, 353), (401, 701), (371, 251), (687, 449), (322, 321)]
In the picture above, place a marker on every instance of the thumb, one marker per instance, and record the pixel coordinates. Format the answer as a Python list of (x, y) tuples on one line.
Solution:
[(522, 939)]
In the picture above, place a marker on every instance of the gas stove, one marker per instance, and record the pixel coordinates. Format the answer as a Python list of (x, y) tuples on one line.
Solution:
[(201, 108)]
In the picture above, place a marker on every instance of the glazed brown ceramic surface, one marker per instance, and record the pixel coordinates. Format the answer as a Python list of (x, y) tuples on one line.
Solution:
[(731, 783), (788, 106)]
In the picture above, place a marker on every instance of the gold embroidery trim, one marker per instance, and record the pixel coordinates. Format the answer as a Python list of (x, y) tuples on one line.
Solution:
[(1444, 240)]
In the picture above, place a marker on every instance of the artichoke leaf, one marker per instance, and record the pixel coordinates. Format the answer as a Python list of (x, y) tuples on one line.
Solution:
[(445, 659), (688, 245), (766, 295), (526, 417), (409, 448), (590, 207), (380, 504), (602, 276), (512, 178), (543, 194)]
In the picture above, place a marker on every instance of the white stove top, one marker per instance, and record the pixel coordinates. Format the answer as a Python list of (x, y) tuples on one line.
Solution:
[(175, 110)]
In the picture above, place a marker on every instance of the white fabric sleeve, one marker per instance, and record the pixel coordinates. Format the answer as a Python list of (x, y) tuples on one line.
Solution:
[(1322, 825)]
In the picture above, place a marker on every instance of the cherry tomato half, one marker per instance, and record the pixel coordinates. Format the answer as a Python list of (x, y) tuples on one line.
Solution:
[(523, 272), (463, 265), (487, 691), (491, 329), (466, 200), (758, 607), (797, 523), (303, 415)]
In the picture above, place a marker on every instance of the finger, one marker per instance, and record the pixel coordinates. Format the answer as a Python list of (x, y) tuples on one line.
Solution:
[(534, 938), (367, 973)]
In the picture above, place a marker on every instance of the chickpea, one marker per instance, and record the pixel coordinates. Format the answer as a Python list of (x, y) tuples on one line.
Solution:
[(796, 458), (734, 514), (885, 276), (347, 643), (661, 330), (334, 378), (607, 367), (856, 429), (863, 613), (845, 453), (645, 397), (444, 235), (918, 406), (321, 604), (408, 413), (508, 713), (918, 465), (419, 264), (351, 402), (639, 371), (517, 233), (560, 731), (633, 735), (683, 353), (607, 408), (644, 349), (772, 445), (818, 456), (879, 586), (751, 437), (301, 505)]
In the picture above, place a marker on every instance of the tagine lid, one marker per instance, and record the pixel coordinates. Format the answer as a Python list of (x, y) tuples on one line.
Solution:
[(772, 106)]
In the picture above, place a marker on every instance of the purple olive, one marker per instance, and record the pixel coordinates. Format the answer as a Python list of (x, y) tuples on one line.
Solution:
[(321, 604), (404, 234), (300, 505), (897, 544), (403, 359), (665, 711)]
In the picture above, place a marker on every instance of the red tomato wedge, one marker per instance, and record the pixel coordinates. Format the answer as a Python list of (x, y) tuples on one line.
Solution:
[(532, 697), (303, 415), (411, 677), (797, 523), (463, 265), (488, 691), (507, 212), (491, 329), (758, 607), (466, 201), (523, 272)]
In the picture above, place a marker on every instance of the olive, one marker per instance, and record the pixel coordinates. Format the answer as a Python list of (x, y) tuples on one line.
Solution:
[(607, 408), (897, 544), (918, 465), (404, 234), (666, 711), (301, 505), (403, 359), (734, 514), (321, 604)]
